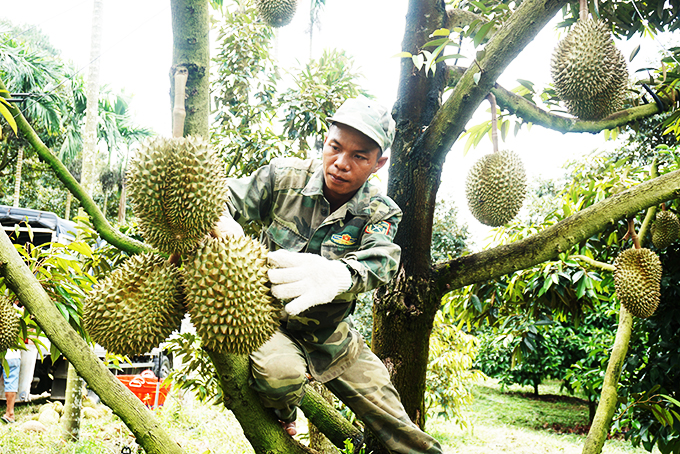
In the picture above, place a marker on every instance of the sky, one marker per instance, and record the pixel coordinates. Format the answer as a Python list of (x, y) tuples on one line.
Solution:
[(137, 53)]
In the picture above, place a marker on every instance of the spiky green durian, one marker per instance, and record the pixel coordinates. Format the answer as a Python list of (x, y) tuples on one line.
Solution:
[(495, 188), (177, 191), (227, 294), (9, 323), (589, 73), (665, 229), (276, 13), (136, 307), (637, 281)]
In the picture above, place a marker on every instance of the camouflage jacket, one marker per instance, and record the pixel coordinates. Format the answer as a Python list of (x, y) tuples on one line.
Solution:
[(287, 195)]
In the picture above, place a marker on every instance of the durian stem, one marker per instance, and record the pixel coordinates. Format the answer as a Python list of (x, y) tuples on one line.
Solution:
[(179, 113), (592, 262), (494, 121), (174, 258), (583, 10), (632, 234)]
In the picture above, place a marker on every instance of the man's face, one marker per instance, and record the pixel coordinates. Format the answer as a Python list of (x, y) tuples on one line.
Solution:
[(349, 158)]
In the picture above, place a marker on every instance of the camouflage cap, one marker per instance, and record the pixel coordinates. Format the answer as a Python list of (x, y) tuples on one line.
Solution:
[(369, 117)]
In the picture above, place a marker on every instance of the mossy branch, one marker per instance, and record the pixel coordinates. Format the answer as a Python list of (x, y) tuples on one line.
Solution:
[(450, 120), (98, 219), (141, 421), (550, 242), (328, 420), (531, 113)]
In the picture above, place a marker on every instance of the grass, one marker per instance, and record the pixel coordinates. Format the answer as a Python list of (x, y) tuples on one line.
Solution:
[(503, 421), (508, 421)]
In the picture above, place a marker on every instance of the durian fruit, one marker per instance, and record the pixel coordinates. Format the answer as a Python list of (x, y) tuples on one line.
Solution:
[(637, 281), (665, 229), (177, 191), (589, 73), (496, 187), (276, 13), (9, 323), (136, 307), (227, 294)]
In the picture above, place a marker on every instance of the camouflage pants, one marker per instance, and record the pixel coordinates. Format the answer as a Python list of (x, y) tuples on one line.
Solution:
[(279, 375)]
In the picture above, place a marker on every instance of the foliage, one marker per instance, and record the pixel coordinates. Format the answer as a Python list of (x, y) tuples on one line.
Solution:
[(450, 371), (196, 372), (257, 119), (448, 236)]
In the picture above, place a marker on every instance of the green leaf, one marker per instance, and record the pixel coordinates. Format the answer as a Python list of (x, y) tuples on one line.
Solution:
[(634, 53), (476, 303), (4, 111), (505, 126), (529, 85), (450, 56), (437, 42), (670, 399), (441, 32), (82, 248), (476, 77), (403, 55), (418, 61), (481, 34)]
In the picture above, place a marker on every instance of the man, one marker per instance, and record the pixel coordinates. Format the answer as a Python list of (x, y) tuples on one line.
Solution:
[(13, 358), (330, 233)]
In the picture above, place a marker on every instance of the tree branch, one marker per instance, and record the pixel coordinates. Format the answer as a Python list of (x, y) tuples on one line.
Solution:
[(556, 239), (530, 112), (98, 220), (594, 263), (456, 17), (449, 122)]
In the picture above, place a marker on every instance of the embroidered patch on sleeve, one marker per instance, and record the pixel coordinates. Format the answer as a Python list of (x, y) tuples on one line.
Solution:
[(382, 227), (343, 239)]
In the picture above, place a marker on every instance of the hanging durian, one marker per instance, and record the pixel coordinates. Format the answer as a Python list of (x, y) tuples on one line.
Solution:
[(9, 323), (177, 191), (588, 71), (136, 307), (276, 13), (637, 281), (496, 184), (227, 294), (665, 229)]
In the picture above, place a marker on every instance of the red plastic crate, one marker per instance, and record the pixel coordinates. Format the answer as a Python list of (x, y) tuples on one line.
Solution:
[(145, 386)]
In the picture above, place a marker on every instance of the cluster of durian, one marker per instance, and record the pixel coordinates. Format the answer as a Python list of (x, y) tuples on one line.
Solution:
[(589, 73), (276, 13), (495, 188), (665, 229), (637, 281), (178, 193), (9, 324)]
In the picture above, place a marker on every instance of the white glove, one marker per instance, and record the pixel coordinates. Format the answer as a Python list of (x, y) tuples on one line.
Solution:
[(226, 226), (308, 278)]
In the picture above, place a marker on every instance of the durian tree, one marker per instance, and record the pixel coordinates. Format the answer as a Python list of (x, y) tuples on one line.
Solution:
[(427, 128)]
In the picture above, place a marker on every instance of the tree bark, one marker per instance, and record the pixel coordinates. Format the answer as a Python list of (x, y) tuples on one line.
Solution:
[(150, 435), (426, 130), (70, 420), (191, 50)]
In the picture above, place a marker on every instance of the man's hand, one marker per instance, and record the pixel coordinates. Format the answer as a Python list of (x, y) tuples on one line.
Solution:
[(308, 278), (226, 226)]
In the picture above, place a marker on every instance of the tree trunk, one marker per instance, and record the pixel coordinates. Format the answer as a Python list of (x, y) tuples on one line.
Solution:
[(191, 50), (70, 420), (122, 203), (67, 208), (426, 130), (17, 176), (88, 175), (121, 400)]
